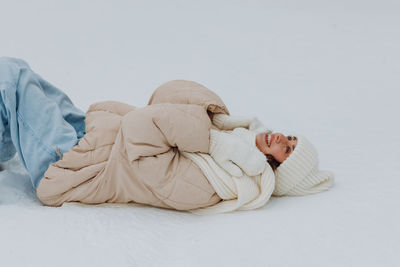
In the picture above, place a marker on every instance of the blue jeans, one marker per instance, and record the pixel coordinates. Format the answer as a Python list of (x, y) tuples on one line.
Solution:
[(37, 120)]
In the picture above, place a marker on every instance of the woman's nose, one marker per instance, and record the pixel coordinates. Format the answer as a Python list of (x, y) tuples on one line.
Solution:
[(282, 138), (278, 138)]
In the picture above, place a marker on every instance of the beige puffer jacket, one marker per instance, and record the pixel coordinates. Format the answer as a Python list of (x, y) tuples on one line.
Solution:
[(131, 154)]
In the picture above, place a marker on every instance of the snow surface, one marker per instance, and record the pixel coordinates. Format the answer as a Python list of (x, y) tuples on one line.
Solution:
[(329, 70)]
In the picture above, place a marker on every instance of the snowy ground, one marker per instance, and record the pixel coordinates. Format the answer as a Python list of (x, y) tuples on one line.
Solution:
[(329, 70)]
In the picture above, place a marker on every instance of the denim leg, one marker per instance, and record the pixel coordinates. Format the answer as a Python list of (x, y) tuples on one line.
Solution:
[(40, 118), (7, 149), (71, 114)]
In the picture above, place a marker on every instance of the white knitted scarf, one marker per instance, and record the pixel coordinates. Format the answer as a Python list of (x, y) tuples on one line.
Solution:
[(237, 193)]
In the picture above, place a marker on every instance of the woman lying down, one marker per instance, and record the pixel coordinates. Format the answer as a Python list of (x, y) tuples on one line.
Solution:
[(182, 151)]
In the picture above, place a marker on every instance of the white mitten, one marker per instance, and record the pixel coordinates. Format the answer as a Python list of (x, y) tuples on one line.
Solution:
[(226, 122), (257, 127), (233, 154)]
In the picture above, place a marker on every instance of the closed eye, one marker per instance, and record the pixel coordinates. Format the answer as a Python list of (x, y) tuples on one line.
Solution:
[(287, 149)]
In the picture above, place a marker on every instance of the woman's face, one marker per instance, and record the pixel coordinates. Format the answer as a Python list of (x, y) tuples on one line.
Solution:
[(276, 144)]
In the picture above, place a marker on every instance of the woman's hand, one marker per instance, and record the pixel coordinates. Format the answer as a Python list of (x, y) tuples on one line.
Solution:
[(233, 154)]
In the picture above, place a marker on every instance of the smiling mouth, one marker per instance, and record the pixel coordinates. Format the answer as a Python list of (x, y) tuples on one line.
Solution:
[(268, 140)]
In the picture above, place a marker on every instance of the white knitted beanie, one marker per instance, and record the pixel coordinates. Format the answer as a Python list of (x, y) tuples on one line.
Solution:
[(298, 175)]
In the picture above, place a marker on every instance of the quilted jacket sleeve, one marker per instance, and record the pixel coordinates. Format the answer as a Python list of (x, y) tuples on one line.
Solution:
[(155, 129), (188, 92)]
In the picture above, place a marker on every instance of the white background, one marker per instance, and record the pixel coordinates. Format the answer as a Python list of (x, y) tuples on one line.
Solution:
[(329, 70)]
